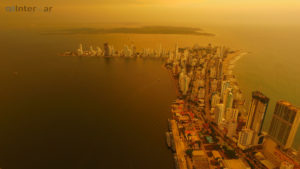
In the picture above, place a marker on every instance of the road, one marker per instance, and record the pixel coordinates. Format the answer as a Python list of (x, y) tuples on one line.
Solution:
[(180, 149)]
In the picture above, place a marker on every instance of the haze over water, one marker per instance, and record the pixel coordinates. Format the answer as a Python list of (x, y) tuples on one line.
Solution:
[(63, 112)]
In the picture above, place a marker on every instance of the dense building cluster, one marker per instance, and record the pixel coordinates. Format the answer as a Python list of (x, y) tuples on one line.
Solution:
[(213, 127), (128, 51)]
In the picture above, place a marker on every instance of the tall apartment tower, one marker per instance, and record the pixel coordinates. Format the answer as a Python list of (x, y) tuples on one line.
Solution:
[(285, 122), (245, 138), (228, 98), (256, 116), (106, 49)]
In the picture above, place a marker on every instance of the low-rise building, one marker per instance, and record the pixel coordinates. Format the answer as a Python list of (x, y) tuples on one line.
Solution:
[(200, 160), (236, 164)]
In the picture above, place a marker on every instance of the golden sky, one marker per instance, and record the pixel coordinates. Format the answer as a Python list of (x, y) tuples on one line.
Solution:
[(174, 12)]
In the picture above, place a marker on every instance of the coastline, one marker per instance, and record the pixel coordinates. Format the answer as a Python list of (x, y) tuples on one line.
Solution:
[(175, 83), (179, 146), (230, 62)]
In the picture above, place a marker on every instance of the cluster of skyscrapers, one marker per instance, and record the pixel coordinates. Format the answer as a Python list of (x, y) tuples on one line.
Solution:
[(128, 51), (205, 78), (205, 81)]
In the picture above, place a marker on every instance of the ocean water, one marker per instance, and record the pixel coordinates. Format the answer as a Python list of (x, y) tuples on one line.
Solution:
[(66, 112)]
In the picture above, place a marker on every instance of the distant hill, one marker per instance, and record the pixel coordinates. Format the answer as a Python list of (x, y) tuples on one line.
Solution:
[(136, 30)]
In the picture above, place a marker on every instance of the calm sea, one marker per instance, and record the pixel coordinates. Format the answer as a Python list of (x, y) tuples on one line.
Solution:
[(66, 113)]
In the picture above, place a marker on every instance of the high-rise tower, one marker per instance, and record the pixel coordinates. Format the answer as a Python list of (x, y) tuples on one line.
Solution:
[(256, 116), (285, 122)]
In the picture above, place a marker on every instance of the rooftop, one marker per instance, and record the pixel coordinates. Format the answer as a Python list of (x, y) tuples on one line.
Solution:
[(260, 96), (236, 164)]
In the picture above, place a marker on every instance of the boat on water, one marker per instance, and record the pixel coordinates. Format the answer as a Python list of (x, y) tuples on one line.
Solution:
[(168, 139), (172, 142), (178, 101), (170, 125), (176, 161)]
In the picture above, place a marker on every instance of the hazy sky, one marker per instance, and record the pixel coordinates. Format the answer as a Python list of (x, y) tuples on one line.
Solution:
[(175, 12)]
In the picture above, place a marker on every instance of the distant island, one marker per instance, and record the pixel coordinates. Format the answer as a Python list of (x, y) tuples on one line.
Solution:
[(135, 30)]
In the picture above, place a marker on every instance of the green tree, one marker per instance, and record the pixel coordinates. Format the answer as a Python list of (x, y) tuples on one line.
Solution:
[(189, 152)]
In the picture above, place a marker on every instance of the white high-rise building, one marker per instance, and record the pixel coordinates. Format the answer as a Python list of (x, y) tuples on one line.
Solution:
[(231, 120), (106, 49), (92, 51), (127, 51), (133, 50), (111, 50), (228, 98), (245, 138), (184, 82), (99, 51), (80, 50), (176, 53), (215, 99), (256, 116), (231, 128), (219, 69), (284, 123), (219, 113), (231, 114), (225, 85)]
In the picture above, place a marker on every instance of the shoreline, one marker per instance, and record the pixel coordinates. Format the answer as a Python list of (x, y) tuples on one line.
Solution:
[(180, 146), (174, 82)]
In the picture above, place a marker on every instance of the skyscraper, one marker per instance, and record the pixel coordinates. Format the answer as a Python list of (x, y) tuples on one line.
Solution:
[(225, 85), (215, 99), (92, 51), (219, 69), (99, 51), (106, 49), (219, 113), (184, 82), (256, 115), (245, 138), (285, 122), (231, 128), (231, 119), (80, 50), (231, 114), (176, 51), (228, 98)]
